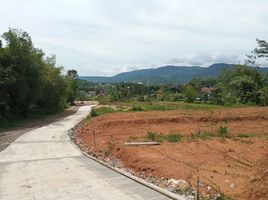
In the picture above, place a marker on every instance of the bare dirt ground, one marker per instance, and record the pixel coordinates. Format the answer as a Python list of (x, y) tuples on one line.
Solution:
[(8, 136), (236, 167)]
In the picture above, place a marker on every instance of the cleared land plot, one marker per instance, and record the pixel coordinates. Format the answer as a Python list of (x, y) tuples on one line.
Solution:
[(226, 148)]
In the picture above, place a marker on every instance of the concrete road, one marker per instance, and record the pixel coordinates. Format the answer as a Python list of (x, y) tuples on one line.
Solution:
[(43, 164)]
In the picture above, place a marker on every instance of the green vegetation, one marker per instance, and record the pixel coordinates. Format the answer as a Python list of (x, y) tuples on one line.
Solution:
[(110, 146), (200, 136), (235, 86), (223, 132), (30, 83), (101, 111), (240, 85), (152, 135), (173, 137), (148, 106)]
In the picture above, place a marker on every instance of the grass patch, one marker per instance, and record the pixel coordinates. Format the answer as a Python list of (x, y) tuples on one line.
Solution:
[(200, 136), (95, 112), (244, 135), (136, 108), (164, 105), (173, 137)]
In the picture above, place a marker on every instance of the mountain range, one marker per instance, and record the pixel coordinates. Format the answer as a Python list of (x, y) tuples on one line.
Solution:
[(165, 74)]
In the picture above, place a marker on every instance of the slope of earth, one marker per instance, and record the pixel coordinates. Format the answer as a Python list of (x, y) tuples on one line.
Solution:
[(233, 166)]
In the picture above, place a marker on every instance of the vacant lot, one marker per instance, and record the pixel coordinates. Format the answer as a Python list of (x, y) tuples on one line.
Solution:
[(226, 148)]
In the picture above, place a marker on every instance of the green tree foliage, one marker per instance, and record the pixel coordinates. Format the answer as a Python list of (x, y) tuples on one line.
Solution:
[(262, 49), (72, 85), (241, 85), (28, 80), (190, 93)]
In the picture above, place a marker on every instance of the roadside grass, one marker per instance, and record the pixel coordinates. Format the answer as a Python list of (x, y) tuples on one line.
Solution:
[(15, 121), (165, 105), (95, 112), (134, 106)]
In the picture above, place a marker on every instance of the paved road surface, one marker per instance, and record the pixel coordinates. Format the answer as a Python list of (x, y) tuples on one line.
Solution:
[(43, 164)]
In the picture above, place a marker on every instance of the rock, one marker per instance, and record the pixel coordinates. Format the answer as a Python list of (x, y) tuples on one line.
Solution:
[(174, 183)]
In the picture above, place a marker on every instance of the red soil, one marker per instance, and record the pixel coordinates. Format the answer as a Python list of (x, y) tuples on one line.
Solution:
[(235, 167)]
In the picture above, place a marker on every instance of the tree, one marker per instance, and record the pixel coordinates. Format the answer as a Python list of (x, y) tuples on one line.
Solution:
[(29, 81), (262, 49), (190, 93), (72, 86)]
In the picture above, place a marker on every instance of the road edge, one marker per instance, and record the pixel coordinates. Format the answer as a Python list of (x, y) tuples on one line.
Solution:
[(156, 188)]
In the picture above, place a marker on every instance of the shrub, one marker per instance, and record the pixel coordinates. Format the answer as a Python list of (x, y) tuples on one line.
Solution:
[(136, 108), (93, 113)]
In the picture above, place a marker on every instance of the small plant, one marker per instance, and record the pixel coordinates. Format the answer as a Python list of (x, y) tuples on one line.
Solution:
[(136, 108), (172, 137), (200, 135), (223, 131), (93, 113), (152, 135), (243, 135), (109, 147)]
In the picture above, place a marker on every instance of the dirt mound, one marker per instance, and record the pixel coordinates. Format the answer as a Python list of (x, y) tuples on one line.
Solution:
[(222, 166)]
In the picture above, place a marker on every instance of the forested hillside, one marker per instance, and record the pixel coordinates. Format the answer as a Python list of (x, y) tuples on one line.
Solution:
[(166, 74)]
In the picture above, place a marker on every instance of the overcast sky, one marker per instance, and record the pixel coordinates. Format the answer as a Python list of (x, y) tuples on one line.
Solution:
[(105, 37)]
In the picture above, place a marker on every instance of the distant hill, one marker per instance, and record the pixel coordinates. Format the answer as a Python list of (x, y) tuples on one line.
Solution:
[(166, 74)]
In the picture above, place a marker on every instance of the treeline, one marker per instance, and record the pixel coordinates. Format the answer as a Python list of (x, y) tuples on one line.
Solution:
[(30, 82), (240, 85)]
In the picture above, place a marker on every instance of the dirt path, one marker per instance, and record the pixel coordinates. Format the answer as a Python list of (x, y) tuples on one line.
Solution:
[(8, 136)]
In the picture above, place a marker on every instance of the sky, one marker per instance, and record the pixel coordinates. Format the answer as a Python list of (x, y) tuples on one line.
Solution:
[(106, 37)]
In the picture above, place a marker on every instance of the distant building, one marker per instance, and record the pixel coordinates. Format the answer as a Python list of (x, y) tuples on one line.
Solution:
[(207, 90), (102, 94)]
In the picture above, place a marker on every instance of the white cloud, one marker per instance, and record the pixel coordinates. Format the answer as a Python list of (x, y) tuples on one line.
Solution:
[(106, 37)]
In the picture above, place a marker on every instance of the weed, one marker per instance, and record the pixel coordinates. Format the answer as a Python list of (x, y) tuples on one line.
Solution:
[(109, 147), (172, 137), (200, 135), (243, 135), (216, 197), (152, 135), (223, 132)]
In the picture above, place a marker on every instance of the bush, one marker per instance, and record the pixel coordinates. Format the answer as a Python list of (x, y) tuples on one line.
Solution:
[(136, 108), (93, 113)]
